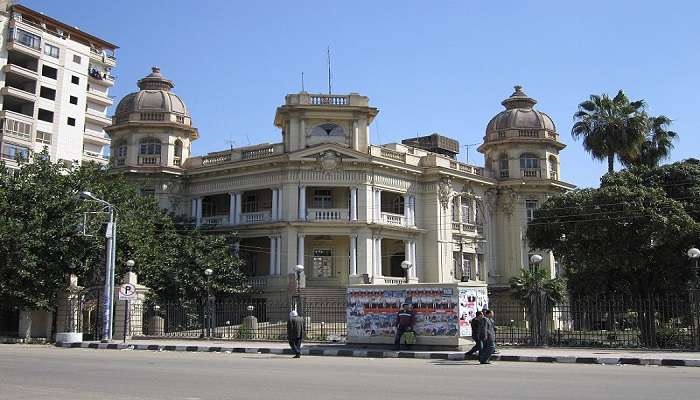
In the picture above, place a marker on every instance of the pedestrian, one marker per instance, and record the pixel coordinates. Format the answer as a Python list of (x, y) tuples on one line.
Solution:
[(295, 332), (487, 335), (405, 320), (475, 324)]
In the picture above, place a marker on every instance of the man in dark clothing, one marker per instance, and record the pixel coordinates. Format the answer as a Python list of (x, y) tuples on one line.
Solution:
[(475, 324), (487, 335), (295, 332), (405, 320)]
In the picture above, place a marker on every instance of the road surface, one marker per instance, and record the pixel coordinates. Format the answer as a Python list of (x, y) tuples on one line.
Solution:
[(43, 372)]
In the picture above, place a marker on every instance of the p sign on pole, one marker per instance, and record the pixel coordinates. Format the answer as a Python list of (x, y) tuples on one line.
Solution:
[(127, 292)]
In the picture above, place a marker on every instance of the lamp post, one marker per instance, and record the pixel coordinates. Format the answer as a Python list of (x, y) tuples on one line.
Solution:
[(406, 265), (694, 254), (537, 303), (209, 317), (129, 264), (111, 236), (298, 269)]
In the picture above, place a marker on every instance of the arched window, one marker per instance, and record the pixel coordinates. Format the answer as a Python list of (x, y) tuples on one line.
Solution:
[(327, 129), (149, 151), (553, 168), (503, 165), (529, 165), (149, 146), (120, 152), (177, 157)]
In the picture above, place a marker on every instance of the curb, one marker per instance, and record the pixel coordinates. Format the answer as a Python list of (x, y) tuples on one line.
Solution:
[(451, 356)]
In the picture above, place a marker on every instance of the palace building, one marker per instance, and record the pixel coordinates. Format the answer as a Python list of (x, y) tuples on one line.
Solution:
[(348, 210)]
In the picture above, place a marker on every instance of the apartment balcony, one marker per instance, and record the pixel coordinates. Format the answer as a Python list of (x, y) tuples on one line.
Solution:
[(327, 214), (94, 156), (259, 217), (24, 42), (21, 71), (99, 98), (393, 219), (97, 117), (100, 78), (103, 57), (99, 138), (13, 127), (18, 93)]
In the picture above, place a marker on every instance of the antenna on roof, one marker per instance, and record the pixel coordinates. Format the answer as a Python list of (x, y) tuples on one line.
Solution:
[(247, 138), (329, 69), (231, 142), (302, 81)]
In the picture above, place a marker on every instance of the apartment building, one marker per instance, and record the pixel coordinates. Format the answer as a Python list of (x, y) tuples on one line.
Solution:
[(54, 89)]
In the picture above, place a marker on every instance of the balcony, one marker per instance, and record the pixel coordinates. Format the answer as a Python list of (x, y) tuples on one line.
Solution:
[(327, 214), (16, 129), (103, 57), (554, 175), (466, 227), (18, 93), (99, 98), (99, 138), (100, 78), (21, 71), (531, 173), (149, 160), (393, 219), (94, 156), (259, 217), (215, 220), (97, 117), (24, 42)]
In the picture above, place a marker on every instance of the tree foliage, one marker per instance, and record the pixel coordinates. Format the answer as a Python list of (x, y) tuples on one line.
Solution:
[(629, 236), (41, 241), (534, 282)]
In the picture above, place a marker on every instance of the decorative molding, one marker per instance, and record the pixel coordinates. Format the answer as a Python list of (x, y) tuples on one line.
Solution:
[(445, 192)]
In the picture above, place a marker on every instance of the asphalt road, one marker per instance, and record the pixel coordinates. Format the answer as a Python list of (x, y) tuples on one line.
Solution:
[(38, 372)]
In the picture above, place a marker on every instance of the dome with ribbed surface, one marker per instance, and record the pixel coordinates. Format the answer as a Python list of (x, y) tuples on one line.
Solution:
[(154, 96), (519, 114)]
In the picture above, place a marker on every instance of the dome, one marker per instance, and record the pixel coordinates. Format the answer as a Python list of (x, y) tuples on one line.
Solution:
[(154, 96), (519, 114)]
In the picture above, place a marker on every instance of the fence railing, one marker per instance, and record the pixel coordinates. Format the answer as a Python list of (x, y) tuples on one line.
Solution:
[(616, 322), (234, 319)]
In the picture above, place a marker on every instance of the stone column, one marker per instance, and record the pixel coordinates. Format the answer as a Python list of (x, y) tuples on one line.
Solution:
[(300, 249), (275, 209), (239, 199), (193, 213), (413, 210), (353, 255), (278, 253), (377, 256), (377, 205), (232, 208), (414, 260), (302, 203), (353, 204), (408, 252), (273, 255), (199, 211), (407, 209), (302, 134)]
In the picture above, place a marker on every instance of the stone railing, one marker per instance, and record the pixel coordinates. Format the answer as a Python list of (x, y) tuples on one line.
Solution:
[(243, 154), (393, 155), (93, 154), (152, 116), (149, 160), (256, 217), (554, 175), (327, 214), (218, 159), (467, 227), (524, 133), (257, 153), (393, 219), (215, 220), (389, 280), (531, 173), (329, 99)]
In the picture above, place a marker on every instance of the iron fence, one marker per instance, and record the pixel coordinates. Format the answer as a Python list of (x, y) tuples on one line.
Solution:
[(251, 319), (615, 322)]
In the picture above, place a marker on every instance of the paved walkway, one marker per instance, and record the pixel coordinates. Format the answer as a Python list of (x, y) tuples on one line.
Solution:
[(551, 355)]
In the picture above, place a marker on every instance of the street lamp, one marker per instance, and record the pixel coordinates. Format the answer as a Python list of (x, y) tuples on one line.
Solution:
[(111, 236), (538, 303), (406, 265), (209, 320), (694, 254), (298, 269), (536, 259)]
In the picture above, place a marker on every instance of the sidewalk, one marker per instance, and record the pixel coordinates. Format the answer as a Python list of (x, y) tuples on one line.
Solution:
[(550, 355)]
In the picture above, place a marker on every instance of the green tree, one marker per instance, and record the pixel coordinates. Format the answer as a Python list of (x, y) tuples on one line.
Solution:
[(539, 293), (657, 144), (611, 127)]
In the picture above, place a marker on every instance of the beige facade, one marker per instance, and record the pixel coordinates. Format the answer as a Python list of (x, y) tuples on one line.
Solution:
[(54, 88), (347, 210)]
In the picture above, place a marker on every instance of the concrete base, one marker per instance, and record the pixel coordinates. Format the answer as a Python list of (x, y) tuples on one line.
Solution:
[(423, 343), (69, 337)]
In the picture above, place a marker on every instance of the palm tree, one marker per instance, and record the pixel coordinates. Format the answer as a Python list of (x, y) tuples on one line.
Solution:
[(611, 127), (658, 143), (539, 294)]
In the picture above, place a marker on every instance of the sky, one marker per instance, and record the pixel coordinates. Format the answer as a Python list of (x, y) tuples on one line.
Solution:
[(429, 66)]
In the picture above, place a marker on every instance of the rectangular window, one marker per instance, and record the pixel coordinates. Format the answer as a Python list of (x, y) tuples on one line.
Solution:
[(45, 115), (71, 121), (75, 80), (530, 207), (76, 59), (47, 93), (73, 100), (250, 204), (49, 72), (50, 50), (455, 209), (12, 151), (466, 212), (28, 39), (323, 198), (43, 137), (322, 263)]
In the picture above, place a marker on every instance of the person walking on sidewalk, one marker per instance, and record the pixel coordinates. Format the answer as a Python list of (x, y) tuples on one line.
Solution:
[(295, 332), (475, 324), (405, 320), (487, 335)]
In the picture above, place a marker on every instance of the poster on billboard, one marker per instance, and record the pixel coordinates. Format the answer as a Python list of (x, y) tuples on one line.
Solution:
[(471, 300)]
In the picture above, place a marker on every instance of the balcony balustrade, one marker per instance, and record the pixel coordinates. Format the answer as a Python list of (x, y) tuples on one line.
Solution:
[(327, 214), (215, 220), (256, 217), (393, 219)]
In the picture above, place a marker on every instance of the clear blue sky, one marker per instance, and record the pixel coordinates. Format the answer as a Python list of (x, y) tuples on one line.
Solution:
[(438, 68)]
